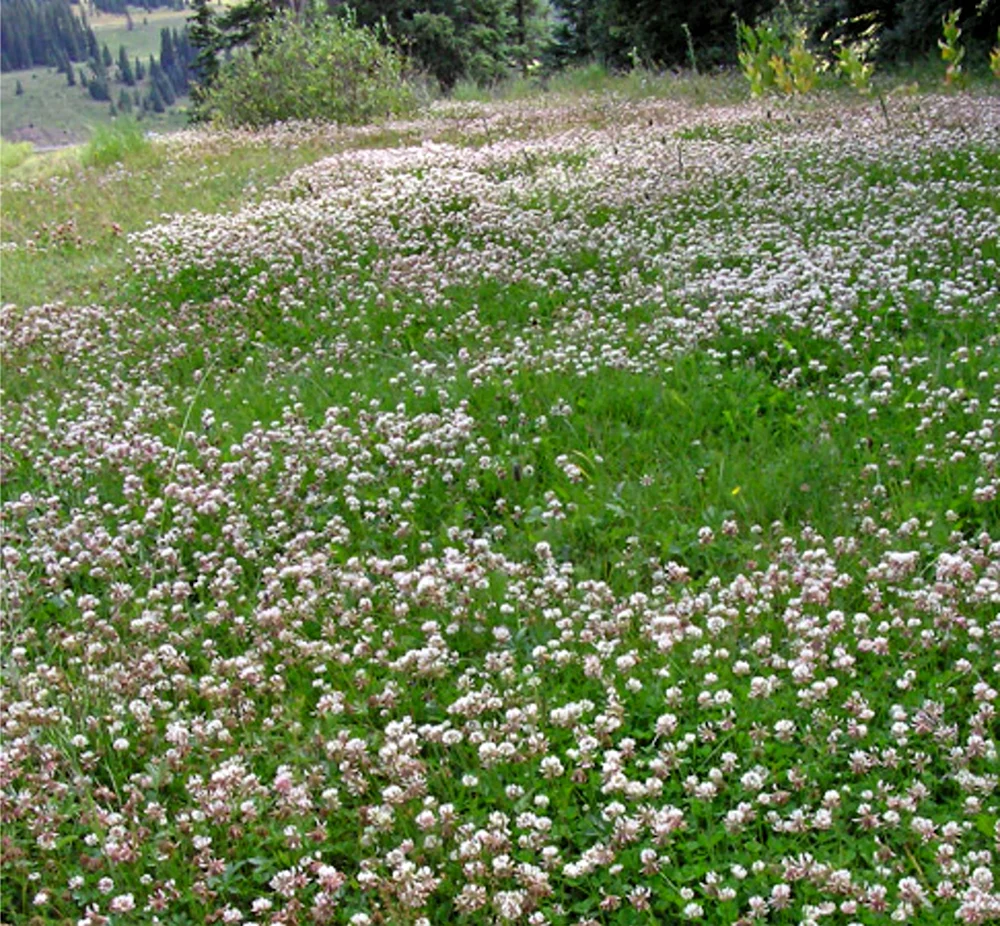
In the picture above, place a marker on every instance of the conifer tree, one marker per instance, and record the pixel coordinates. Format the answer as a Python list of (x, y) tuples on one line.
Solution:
[(125, 72), (167, 58), (98, 89), (156, 99), (161, 81), (204, 38)]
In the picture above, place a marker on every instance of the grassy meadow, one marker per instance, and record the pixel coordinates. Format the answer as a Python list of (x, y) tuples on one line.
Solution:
[(143, 39), (580, 509)]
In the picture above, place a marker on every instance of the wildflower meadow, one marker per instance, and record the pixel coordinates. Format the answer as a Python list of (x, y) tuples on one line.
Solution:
[(569, 511)]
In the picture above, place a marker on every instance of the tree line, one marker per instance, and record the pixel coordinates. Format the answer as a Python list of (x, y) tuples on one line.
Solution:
[(42, 33), (484, 40)]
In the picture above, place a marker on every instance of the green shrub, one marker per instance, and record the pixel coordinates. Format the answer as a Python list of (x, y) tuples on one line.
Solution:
[(803, 68), (328, 70), (773, 55), (117, 141), (759, 48)]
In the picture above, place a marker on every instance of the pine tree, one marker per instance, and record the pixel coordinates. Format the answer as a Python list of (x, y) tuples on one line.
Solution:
[(156, 99), (167, 57), (125, 72), (97, 85), (161, 81), (98, 89), (204, 36)]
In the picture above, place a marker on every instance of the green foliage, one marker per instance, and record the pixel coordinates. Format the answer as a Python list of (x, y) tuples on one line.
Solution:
[(125, 72), (852, 65), (435, 44), (13, 154), (952, 52), (772, 57), (853, 48), (906, 30), (692, 56), (995, 58), (455, 40), (120, 141), (98, 88), (328, 70), (658, 32), (759, 48), (803, 68)]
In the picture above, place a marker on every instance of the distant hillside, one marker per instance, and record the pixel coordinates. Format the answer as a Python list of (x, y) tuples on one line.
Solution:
[(86, 67)]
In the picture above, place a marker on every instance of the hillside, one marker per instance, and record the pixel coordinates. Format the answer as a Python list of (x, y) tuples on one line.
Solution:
[(578, 510), (51, 113)]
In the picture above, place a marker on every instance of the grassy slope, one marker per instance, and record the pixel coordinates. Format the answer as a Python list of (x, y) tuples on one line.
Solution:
[(144, 38), (102, 206)]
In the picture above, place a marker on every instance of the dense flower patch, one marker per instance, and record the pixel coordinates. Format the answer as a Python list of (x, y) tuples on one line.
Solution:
[(589, 518)]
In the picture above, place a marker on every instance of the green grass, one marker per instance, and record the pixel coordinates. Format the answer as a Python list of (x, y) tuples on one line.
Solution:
[(124, 139), (14, 154), (594, 79), (139, 196), (104, 207)]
